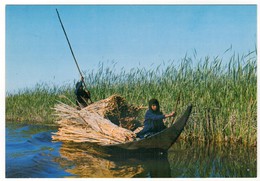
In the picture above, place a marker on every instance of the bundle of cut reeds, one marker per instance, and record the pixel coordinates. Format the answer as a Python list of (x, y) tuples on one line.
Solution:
[(92, 124), (116, 109)]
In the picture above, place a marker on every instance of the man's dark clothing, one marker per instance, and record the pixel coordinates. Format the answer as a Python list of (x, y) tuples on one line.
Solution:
[(153, 123), (81, 94)]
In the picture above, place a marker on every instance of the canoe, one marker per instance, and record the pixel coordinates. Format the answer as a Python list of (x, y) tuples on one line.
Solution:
[(162, 140)]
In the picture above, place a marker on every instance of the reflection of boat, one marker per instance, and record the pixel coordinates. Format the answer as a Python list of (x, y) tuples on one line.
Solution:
[(162, 140), (90, 161), (157, 167)]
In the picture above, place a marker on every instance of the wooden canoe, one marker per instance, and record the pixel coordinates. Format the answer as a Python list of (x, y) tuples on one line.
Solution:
[(162, 140)]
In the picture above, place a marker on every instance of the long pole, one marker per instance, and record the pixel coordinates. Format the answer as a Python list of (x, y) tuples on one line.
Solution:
[(71, 50)]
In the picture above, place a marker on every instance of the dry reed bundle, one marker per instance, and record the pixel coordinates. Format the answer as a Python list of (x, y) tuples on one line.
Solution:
[(91, 124), (116, 109)]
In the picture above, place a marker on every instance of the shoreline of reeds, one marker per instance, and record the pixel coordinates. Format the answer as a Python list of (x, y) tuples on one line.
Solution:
[(224, 96)]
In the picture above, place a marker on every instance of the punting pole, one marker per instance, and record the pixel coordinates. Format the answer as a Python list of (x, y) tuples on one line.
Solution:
[(72, 52)]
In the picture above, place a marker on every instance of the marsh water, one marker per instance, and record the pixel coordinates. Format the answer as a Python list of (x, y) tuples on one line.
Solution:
[(30, 153)]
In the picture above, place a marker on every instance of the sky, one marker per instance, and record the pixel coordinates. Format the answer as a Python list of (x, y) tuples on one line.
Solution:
[(36, 50)]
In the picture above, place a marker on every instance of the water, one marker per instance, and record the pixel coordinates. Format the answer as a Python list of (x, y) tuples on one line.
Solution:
[(30, 153)]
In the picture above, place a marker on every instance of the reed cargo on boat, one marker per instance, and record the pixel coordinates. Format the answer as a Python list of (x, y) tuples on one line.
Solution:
[(108, 121), (112, 122)]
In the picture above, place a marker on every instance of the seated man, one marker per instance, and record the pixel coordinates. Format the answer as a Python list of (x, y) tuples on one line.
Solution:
[(82, 95), (153, 122)]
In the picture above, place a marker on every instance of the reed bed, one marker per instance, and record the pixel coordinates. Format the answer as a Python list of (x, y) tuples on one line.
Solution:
[(34, 105), (224, 95)]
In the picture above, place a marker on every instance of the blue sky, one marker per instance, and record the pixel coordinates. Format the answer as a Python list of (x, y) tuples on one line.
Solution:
[(133, 36)]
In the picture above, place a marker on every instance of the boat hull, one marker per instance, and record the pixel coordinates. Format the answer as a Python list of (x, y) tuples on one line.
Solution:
[(162, 140)]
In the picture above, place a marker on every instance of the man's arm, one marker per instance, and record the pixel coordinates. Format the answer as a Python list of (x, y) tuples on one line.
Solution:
[(150, 116)]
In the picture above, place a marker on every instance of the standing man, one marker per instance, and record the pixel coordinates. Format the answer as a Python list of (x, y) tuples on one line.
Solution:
[(83, 96)]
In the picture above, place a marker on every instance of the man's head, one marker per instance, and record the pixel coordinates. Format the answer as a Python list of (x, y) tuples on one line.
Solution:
[(82, 79), (154, 105)]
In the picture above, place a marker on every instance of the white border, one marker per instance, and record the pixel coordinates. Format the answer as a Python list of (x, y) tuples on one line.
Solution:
[(78, 2)]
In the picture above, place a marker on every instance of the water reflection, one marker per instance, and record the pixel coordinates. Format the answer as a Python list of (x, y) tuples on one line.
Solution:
[(212, 160), (157, 167), (30, 153), (93, 162), (182, 160)]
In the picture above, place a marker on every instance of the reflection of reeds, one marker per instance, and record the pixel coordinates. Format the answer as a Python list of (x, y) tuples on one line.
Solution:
[(212, 160), (224, 96), (89, 163)]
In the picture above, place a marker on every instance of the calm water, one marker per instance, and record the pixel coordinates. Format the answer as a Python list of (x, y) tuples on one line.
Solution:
[(30, 153)]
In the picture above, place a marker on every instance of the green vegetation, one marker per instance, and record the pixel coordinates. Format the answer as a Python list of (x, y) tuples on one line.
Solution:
[(35, 105), (224, 96)]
